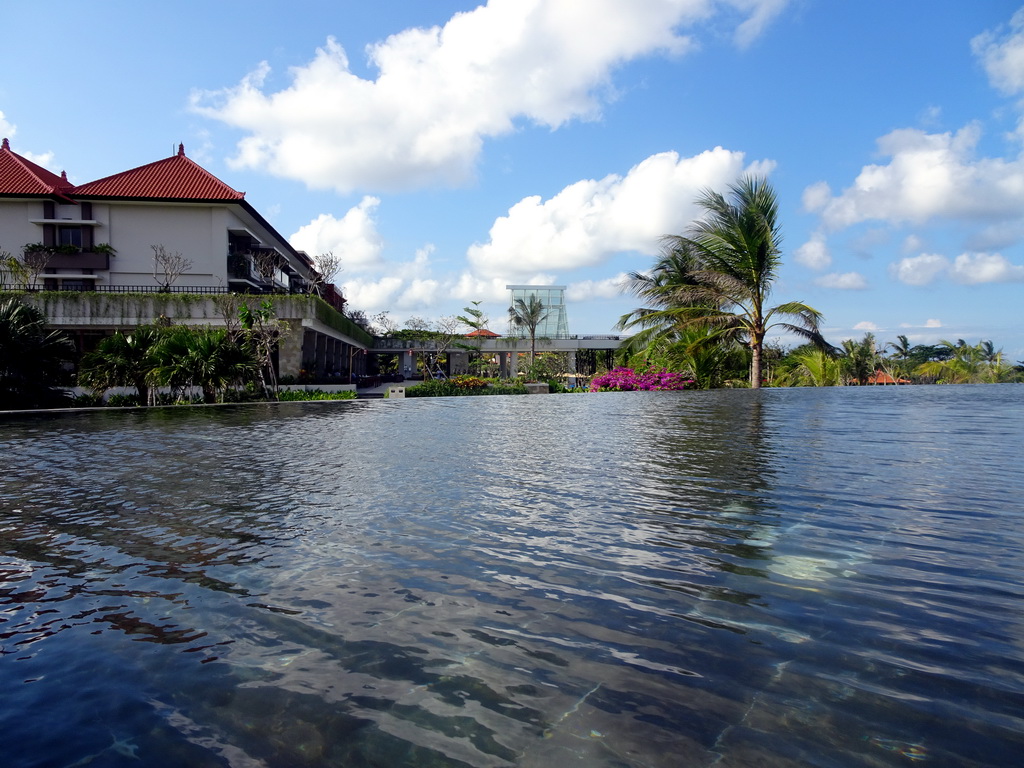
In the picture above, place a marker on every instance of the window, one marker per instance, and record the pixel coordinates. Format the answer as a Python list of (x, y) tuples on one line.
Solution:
[(70, 236)]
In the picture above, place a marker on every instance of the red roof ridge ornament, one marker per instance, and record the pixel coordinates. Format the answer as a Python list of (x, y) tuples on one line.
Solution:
[(6, 144), (181, 149)]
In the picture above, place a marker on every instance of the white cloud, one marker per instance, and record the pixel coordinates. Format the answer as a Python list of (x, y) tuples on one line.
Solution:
[(816, 196), (371, 296), (919, 270), (1002, 54), (420, 293), (46, 160), (353, 237), (7, 130), (865, 325), (762, 13), (930, 176), (583, 290), (473, 288), (974, 268), (440, 92), (932, 323), (589, 221), (409, 286), (967, 268), (814, 253), (847, 281), (912, 243)]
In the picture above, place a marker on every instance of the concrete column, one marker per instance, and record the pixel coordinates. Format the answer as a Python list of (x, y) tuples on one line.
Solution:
[(290, 350), (321, 355), (407, 363), (339, 360), (458, 362)]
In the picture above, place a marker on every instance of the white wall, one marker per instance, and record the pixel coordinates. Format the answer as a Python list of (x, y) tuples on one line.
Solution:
[(198, 232), (15, 229)]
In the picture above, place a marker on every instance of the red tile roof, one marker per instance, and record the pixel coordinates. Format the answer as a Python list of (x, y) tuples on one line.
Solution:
[(20, 176), (173, 178), (483, 332)]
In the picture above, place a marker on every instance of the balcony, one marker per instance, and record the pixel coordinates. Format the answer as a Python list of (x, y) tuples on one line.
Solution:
[(255, 270)]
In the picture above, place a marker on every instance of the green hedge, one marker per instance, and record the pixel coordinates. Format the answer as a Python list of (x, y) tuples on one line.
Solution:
[(294, 395), (444, 388)]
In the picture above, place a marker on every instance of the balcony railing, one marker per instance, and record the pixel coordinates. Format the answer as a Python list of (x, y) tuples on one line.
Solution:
[(194, 289)]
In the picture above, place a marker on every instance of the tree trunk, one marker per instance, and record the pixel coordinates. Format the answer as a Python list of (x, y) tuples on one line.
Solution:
[(755, 364)]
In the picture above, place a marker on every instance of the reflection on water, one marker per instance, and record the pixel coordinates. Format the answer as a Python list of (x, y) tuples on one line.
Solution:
[(783, 578)]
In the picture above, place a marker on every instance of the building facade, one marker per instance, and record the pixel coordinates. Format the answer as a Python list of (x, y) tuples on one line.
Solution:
[(169, 228)]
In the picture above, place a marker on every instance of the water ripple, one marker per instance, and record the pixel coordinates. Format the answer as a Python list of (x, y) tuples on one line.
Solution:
[(638, 579)]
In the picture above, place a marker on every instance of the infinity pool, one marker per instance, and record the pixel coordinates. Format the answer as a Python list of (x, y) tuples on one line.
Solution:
[(734, 578)]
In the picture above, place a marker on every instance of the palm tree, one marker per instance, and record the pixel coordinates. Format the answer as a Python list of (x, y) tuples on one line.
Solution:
[(860, 358), (728, 262), (901, 353), (528, 314), (812, 367), (31, 358), (900, 348), (201, 357), (122, 360)]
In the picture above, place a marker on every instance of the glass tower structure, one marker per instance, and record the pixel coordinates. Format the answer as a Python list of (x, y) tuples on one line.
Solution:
[(556, 324)]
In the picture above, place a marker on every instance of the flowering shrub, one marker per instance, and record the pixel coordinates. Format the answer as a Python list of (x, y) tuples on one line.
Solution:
[(468, 382), (628, 380), (452, 387)]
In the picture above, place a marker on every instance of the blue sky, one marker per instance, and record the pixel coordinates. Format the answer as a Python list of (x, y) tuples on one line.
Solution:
[(445, 149)]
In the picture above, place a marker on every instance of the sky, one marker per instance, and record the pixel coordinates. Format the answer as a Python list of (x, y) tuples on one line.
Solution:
[(446, 149)]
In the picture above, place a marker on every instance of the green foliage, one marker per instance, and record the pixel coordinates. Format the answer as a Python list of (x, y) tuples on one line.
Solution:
[(809, 366), (122, 360), (452, 388), (32, 358), (961, 363), (178, 356), (860, 360), (125, 401), (88, 400), (717, 278), (529, 315), (297, 395)]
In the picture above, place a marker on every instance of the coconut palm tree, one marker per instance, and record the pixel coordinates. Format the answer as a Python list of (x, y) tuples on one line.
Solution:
[(528, 314), (730, 258), (122, 360), (31, 358), (860, 359)]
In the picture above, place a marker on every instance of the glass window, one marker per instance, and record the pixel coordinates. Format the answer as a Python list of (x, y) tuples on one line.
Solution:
[(71, 236)]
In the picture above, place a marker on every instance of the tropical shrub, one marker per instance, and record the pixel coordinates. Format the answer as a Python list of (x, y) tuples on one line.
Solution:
[(628, 380), (124, 401), (32, 358), (469, 382), (466, 385), (87, 400), (298, 395)]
